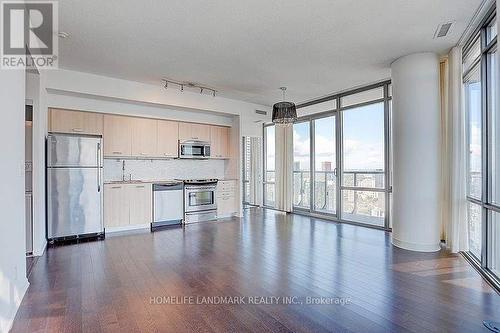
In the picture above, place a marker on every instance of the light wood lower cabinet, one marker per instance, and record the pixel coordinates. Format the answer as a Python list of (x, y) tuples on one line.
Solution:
[(227, 198), (140, 203), (68, 121), (127, 205), (116, 212)]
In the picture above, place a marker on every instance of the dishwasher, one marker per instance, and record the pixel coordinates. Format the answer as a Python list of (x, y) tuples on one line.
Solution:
[(168, 204)]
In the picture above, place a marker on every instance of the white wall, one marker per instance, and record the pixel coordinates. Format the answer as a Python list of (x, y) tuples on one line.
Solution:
[(33, 93), (13, 282)]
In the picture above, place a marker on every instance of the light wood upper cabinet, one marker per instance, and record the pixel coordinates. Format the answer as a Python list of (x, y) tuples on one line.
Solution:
[(116, 208), (168, 138), (117, 135), (219, 137), (189, 131), (140, 203), (67, 121), (144, 136)]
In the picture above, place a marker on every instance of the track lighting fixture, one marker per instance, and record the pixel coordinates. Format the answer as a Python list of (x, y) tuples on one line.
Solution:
[(181, 84)]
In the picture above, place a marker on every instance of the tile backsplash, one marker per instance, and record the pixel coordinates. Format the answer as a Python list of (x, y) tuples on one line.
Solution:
[(164, 169)]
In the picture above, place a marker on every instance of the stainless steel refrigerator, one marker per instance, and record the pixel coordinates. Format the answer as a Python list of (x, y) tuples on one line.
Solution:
[(74, 186)]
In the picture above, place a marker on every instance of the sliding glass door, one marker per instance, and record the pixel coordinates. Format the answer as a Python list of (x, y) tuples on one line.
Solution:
[(314, 175), (269, 166), (301, 165), (325, 165), (363, 168)]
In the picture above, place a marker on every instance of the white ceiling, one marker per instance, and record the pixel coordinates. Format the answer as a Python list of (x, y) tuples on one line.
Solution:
[(248, 49)]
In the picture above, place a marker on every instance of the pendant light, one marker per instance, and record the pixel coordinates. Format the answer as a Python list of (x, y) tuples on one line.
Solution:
[(284, 113)]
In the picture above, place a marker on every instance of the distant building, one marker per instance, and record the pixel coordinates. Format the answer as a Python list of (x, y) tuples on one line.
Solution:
[(326, 166)]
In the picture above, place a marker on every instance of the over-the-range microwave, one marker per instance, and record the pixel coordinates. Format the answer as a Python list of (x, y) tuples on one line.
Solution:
[(194, 149)]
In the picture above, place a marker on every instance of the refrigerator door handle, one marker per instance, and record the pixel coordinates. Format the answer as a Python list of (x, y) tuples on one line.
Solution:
[(98, 167)]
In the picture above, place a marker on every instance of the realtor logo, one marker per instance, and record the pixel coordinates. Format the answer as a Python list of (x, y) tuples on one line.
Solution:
[(29, 31)]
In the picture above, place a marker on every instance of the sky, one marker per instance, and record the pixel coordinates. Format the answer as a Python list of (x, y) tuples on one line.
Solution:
[(363, 139)]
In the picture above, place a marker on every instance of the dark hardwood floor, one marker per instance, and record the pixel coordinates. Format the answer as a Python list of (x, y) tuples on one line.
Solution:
[(112, 285)]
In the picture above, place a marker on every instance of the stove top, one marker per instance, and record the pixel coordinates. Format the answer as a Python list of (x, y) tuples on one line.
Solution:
[(200, 181)]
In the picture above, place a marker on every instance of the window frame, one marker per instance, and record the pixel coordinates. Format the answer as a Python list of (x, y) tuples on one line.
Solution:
[(486, 204), (340, 188)]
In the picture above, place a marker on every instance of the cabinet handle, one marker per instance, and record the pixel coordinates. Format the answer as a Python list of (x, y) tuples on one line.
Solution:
[(194, 138), (116, 187), (77, 129), (140, 186), (117, 152), (143, 154)]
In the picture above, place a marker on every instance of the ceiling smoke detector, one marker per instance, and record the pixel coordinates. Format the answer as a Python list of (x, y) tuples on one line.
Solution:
[(443, 30)]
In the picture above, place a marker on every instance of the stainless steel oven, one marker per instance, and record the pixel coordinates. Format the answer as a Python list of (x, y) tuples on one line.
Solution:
[(194, 149), (200, 203)]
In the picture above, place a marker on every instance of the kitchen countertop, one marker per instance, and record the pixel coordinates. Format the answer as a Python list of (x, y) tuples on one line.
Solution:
[(117, 182), (140, 181)]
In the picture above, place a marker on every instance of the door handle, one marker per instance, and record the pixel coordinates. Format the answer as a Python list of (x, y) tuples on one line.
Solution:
[(335, 172), (98, 167)]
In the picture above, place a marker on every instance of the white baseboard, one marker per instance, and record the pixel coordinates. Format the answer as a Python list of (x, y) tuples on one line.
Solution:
[(40, 251), (111, 230), (9, 320), (415, 246)]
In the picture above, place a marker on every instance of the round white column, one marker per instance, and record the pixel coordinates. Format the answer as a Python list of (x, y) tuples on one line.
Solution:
[(416, 147)]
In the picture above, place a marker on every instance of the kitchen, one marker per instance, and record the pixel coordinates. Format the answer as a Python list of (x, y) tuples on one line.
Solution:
[(136, 173)]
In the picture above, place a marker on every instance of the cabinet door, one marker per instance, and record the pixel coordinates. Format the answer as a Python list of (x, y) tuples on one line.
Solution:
[(200, 132), (185, 131), (215, 141), (144, 137), (219, 137), (141, 203), (67, 121), (224, 142), (117, 136), (168, 138), (189, 131), (116, 208)]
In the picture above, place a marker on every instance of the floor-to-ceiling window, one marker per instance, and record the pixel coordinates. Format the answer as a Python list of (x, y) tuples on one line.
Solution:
[(480, 80), (269, 166), (341, 152)]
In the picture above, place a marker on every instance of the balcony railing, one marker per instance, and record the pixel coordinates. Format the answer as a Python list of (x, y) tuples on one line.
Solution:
[(358, 186)]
